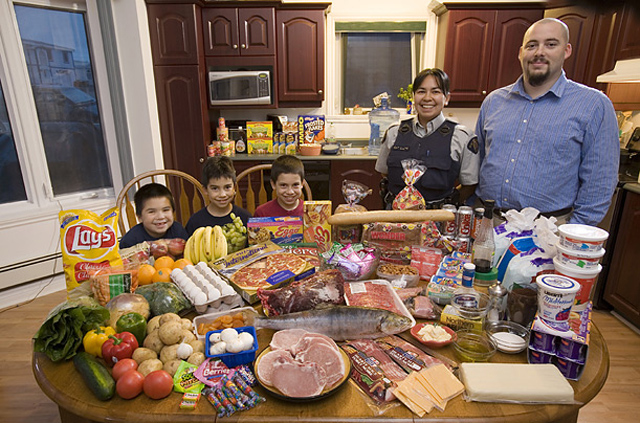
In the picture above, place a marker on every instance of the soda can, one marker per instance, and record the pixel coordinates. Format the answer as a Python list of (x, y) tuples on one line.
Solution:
[(465, 221), (449, 228), (478, 213), (464, 244)]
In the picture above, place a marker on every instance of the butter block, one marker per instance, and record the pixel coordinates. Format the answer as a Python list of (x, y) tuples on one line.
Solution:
[(514, 382)]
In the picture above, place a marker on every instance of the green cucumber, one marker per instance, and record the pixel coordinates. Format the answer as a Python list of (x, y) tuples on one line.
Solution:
[(95, 375)]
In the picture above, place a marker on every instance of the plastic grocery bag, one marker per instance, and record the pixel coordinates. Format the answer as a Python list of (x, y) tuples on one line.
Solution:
[(518, 224), (527, 265), (410, 198)]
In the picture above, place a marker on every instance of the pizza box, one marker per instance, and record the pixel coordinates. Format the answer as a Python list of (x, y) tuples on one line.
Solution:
[(261, 266), (279, 230)]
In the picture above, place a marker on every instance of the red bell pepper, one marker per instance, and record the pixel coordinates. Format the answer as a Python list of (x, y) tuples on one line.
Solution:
[(118, 347)]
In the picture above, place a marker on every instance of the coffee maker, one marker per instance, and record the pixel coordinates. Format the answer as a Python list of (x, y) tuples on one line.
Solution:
[(278, 121)]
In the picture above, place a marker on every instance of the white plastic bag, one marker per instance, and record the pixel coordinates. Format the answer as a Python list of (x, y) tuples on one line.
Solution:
[(518, 224)]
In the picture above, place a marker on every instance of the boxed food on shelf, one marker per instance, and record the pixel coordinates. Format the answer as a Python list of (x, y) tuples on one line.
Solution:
[(259, 137), (279, 230), (311, 129)]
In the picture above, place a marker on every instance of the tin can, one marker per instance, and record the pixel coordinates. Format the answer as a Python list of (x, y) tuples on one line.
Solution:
[(210, 150), (465, 221), (449, 228), (223, 134), (464, 244), (215, 148), (221, 122), (478, 213)]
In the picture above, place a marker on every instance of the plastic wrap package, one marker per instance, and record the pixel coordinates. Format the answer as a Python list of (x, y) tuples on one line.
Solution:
[(524, 267), (518, 224), (353, 193), (410, 198)]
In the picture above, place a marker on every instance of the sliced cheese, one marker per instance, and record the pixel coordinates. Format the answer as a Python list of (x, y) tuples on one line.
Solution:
[(513, 382), (411, 405), (443, 381)]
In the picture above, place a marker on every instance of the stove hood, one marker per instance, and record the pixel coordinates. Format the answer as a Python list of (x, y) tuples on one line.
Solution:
[(624, 71)]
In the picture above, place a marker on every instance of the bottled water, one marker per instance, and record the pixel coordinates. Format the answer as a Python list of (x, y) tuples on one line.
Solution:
[(380, 119)]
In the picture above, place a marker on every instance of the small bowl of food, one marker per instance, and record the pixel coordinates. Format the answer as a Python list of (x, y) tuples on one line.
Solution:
[(400, 275), (433, 335), (310, 149), (473, 346), (509, 337), (330, 149)]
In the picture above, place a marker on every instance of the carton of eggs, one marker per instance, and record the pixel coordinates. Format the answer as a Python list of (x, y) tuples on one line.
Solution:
[(203, 287)]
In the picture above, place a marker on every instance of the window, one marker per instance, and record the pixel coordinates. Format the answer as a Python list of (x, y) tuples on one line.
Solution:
[(10, 172)]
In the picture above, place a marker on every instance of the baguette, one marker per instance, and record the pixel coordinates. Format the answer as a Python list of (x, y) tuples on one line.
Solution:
[(393, 216)]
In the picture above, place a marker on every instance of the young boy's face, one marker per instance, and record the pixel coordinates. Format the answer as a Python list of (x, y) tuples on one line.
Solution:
[(221, 192), (157, 216), (288, 189)]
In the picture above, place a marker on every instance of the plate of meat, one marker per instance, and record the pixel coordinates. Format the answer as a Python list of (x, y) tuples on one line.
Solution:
[(301, 366)]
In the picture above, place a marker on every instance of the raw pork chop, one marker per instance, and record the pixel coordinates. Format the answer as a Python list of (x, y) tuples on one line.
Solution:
[(309, 338), (326, 357), (298, 380), (268, 362), (286, 339)]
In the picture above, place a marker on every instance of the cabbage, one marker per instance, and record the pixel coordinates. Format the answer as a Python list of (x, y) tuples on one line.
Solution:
[(164, 297)]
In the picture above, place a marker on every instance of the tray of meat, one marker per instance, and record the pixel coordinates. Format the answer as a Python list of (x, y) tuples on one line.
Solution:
[(376, 293)]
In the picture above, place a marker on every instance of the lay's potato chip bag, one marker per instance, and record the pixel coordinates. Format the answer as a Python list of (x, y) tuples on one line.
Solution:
[(88, 242)]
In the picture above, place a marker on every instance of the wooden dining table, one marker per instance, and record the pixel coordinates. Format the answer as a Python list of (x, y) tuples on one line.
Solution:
[(64, 386)]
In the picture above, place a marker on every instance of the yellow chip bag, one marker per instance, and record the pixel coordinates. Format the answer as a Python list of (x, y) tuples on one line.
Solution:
[(89, 242)]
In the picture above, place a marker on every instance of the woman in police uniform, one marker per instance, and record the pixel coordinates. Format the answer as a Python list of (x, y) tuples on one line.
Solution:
[(448, 150)]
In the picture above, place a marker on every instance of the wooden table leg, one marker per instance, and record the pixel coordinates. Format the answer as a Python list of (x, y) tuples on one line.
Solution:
[(68, 417)]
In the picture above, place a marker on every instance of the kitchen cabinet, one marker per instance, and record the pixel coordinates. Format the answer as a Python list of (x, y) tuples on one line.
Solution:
[(300, 57), (239, 31), (481, 52), (360, 171), (622, 290), (628, 46), (174, 35)]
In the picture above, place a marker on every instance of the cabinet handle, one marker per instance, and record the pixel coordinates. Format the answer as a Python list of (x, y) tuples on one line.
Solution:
[(484, 92), (243, 46), (319, 91), (201, 160), (235, 46)]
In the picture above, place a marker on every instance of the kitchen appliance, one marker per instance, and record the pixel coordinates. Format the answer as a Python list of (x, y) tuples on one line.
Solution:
[(235, 88), (278, 122)]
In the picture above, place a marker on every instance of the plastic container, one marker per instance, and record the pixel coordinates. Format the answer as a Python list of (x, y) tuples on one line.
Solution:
[(310, 149), (556, 295), (248, 314), (376, 293), (580, 237), (394, 274), (586, 278), (482, 281), (586, 260), (473, 346), (543, 342), (539, 357), (509, 337), (235, 359), (380, 119)]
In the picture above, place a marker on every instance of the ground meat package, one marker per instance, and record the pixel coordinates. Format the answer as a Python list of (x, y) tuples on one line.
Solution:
[(410, 198)]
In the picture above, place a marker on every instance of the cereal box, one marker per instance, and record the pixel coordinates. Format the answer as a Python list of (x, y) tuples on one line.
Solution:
[(260, 137), (316, 223), (280, 230), (310, 129)]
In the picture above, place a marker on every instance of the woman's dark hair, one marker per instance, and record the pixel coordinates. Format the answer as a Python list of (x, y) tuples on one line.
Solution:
[(442, 79), (152, 190), (218, 167)]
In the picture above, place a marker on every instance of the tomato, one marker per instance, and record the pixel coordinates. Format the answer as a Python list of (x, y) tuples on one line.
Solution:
[(122, 366), (158, 384), (130, 384)]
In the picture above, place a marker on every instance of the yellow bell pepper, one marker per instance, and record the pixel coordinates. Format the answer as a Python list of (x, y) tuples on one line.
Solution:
[(94, 339)]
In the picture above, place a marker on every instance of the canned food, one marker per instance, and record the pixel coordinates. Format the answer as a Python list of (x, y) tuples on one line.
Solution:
[(465, 221), (221, 122), (449, 228)]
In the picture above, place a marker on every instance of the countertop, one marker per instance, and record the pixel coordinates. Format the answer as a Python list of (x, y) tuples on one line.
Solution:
[(633, 187), (272, 157)]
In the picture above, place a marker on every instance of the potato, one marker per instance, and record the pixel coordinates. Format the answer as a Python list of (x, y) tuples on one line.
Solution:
[(187, 336), (172, 366), (168, 353), (198, 345), (149, 366), (170, 333), (143, 354), (153, 324), (186, 324), (153, 342), (196, 358), (169, 317)]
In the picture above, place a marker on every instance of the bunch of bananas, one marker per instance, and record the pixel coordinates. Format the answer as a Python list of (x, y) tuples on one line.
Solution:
[(206, 244), (236, 234)]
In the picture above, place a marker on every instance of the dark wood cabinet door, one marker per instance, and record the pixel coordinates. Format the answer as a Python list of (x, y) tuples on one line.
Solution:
[(629, 39), (580, 22), (174, 32), (257, 31), (360, 171), (220, 26), (468, 53), (623, 290), (602, 48), (300, 46), (183, 115), (509, 31)]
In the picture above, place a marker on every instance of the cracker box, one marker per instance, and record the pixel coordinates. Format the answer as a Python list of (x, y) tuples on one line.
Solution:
[(316, 223), (260, 137), (279, 230), (310, 129)]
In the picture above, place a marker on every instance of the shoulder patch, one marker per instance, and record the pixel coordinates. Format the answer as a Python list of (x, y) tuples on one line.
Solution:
[(473, 145), (405, 127)]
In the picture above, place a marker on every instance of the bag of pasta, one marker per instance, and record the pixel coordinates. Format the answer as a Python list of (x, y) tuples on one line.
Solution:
[(89, 242), (410, 198)]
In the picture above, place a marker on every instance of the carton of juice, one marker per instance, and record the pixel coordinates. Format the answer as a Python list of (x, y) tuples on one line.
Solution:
[(316, 223)]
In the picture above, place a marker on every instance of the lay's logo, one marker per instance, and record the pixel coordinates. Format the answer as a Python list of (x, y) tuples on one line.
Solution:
[(83, 240)]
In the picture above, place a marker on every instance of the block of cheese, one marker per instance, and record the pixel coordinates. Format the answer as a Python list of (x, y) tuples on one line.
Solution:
[(513, 382)]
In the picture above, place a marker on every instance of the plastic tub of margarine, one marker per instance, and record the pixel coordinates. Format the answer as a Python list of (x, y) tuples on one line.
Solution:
[(585, 260), (582, 237), (556, 295), (586, 278)]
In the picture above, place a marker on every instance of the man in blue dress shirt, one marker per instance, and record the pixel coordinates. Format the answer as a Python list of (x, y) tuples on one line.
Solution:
[(546, 141)]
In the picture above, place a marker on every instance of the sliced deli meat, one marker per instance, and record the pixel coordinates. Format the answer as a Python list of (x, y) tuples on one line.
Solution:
[(268, 364), (286, 339), (299, 380)]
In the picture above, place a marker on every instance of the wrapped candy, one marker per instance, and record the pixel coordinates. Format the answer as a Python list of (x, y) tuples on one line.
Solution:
[(410, 198)]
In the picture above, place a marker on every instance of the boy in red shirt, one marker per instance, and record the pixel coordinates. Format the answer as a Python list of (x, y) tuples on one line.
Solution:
[(287, 174)]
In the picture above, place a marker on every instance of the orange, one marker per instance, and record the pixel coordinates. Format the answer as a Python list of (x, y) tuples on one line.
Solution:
[(145, 274), (180, 264), (162, 275), (162, 262)]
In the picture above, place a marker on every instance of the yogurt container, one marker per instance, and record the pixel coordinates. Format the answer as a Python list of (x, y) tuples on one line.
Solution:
[(586, 278), (586, 260), (556, 295), (580, 237)]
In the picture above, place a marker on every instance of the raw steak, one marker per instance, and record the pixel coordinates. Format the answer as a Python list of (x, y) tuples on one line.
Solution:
[(268, 363), (298, 380), (286, 339), (326, 357), (325, 287), (310, 338)]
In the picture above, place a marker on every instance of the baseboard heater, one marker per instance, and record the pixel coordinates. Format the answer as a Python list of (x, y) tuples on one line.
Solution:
[(30, 270)]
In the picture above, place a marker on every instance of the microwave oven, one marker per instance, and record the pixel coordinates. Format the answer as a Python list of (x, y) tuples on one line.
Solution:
[(234, 88)]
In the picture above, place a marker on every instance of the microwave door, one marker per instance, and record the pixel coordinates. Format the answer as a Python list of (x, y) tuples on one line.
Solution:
[(236, 90)]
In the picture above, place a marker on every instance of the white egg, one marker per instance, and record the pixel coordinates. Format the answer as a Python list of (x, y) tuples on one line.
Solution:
[(214, 337), (176, 273), (213, 294), (247, 340), (227, 290), (218, 348), (200, 298), (194, 291), (228, 335), (235, 346)]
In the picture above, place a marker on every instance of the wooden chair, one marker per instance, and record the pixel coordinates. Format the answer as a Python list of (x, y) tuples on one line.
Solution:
[(188, 194), (249, 194)]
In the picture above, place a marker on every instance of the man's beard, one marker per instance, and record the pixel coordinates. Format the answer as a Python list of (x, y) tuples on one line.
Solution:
[(538, 78)]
